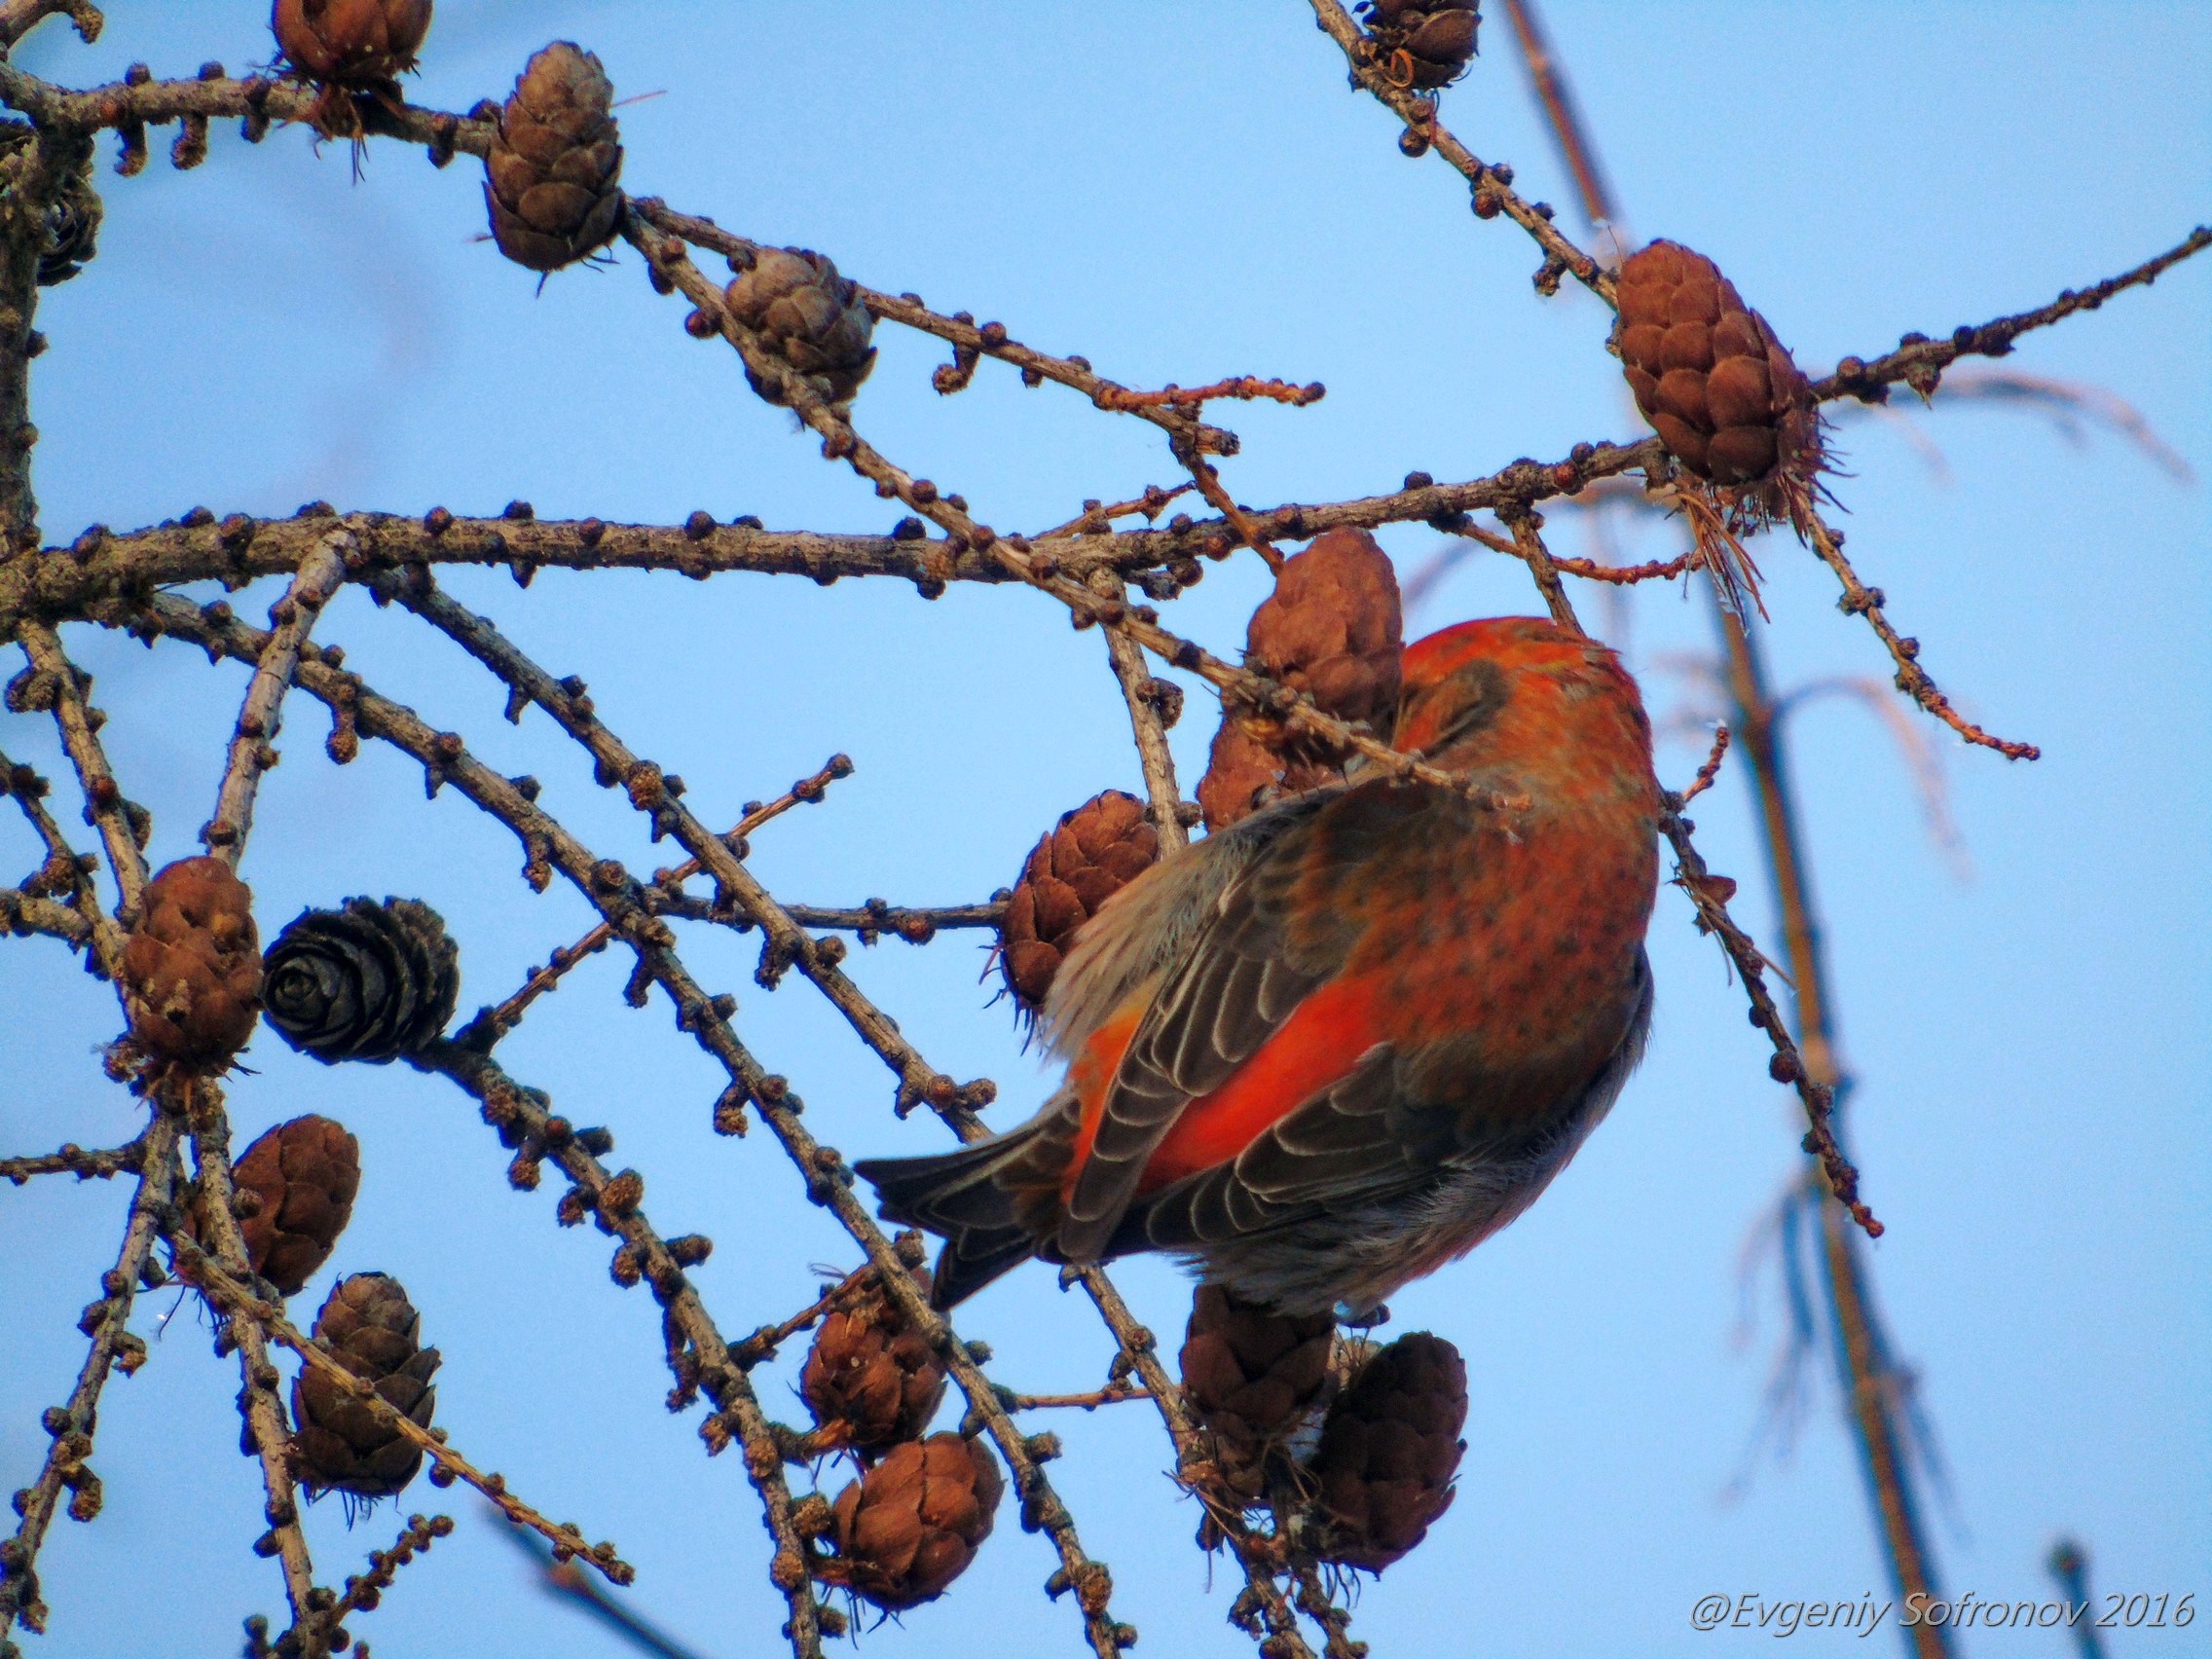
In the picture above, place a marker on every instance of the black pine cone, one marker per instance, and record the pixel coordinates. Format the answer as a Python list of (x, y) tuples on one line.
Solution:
[(368, 981)]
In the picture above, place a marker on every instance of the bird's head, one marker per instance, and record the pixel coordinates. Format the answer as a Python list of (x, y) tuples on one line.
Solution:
[(1520, 691)]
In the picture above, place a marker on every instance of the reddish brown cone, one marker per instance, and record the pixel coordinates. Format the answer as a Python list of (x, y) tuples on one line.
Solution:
[(1252, 1376), (339, 1441), (1389, 1448), (1091, 853), (808, 315), (550, 176), (1708, 373), (191, 967), (1333, 629), (297, 1182), (869, 1380), (351, 43), (1422, 43), (909, 1526)]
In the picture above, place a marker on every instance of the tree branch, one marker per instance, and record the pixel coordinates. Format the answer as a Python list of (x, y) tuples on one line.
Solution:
[(70, 1426)]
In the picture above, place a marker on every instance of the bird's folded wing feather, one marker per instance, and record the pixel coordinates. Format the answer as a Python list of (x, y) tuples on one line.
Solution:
[(1281, 928)]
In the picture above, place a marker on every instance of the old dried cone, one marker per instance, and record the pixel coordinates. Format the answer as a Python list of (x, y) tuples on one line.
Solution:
[(869, 1379), (555, 157), (1420, 44), (1389, 1448), (1091, 853), (1252, 1376), (295, 1184), (346, 47), (192, 965), (366, 981), (808, 315), (1332, 629), (911, 1524), (341, 1442), (1723, 395)]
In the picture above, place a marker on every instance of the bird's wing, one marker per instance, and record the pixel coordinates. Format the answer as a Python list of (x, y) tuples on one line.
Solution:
[(1389, 1126), (1269, 949)]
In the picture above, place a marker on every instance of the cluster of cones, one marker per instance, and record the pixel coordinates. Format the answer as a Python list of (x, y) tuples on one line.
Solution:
[(552, 178), (552, 175), (293, 1195), (369, 982), (1353, 1446), (924, 1503)]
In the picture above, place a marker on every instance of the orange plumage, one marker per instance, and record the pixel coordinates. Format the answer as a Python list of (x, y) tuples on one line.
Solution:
[(1338, 1044)]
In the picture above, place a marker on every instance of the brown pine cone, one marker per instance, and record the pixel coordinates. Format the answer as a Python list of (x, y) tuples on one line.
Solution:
[(1389, 1448), (338, 1441), (909, 1526), (351, 43), (1722, 393), (191, 967), (298, 1181), (1252, 1374), (1420, 42), (550, 176), (1332, 628), (1091, 853), (871, 1381), (807, 314)]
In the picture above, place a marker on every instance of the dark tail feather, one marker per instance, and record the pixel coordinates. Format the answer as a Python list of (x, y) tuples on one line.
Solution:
[(958, 1197), (971, 1259)]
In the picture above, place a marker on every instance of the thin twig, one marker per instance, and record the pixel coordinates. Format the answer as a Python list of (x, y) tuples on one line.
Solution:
[(563, 1580), (267, 1428), (1920, 361), (73, 1159), (1872, 1385), (735, 886), (1492, 183), (1335, 1621), (364, 1590), (1112, 1394), (70, 1426), (702, 1360), (842, 442), (916, 924), (2068, 1564), (69, 581), (1562, 114), (1245, 387), (1145, 698), (1911, 679), (22, 913), (761, 1345), (104, 805), (66, 872), (1708, 771), (963, 334), (17, 18), (261, 714), (494, 1023)]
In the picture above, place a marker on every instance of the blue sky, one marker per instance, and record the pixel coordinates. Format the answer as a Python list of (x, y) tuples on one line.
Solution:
[(1182, 193)]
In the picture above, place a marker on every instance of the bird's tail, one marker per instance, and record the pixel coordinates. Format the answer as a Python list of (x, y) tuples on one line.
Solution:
[(979, 1200)]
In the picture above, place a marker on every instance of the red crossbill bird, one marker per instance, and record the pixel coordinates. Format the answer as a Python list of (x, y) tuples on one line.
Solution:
[(1338, 1044)]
